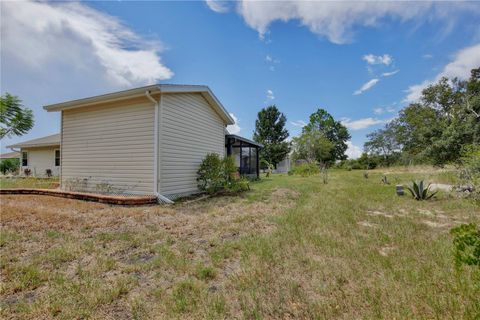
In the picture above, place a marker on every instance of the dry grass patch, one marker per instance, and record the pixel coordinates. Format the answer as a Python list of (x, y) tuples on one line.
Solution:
[(69, 258), (290, 248)]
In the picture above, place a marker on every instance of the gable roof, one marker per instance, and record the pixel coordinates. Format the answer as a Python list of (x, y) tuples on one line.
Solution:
[(10, 155), (138, 92), (52, 140)]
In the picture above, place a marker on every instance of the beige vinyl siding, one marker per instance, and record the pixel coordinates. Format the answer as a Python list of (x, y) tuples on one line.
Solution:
[(39, 160), (189, 129), (109, 146)]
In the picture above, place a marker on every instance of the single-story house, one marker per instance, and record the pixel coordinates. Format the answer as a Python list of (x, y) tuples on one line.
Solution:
[(148, 140), (10, 155), (41, 156)]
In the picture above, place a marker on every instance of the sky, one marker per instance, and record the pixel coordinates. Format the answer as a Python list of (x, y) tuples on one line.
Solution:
[(361, 61)]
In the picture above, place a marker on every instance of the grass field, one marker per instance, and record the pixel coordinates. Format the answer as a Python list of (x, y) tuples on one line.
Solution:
[(291, 247)]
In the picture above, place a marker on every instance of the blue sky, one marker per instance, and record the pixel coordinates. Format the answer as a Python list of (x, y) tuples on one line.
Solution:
[(360, 61)]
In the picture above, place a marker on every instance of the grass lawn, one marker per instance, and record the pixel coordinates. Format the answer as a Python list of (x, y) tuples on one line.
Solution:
[(291, 247), (28, 182)]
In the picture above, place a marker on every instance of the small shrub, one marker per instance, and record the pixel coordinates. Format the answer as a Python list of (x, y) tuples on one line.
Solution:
[(9, 165), (466, 242), (216, 175), (210, 174), (419, 192), (469, 173), (305, 169), (27, 172)]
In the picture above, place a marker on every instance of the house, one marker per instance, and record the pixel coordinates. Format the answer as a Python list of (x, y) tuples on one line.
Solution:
[(148, 140), (10, 155), (41, 156)]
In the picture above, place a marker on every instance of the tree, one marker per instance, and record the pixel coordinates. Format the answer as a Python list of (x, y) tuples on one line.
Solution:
[(334, 131), (383, 142), (312, 146), (436, 128), (15, 119), (271, 132)]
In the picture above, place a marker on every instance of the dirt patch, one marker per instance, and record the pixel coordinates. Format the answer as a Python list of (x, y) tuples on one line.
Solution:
[(380, 213), (433, 224), (367, 224), (386, 250)]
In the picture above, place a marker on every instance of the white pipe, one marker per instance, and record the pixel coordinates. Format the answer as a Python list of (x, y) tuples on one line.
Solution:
[(155, 150)]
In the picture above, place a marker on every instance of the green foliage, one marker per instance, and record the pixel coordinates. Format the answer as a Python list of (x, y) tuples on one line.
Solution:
[(15, 119), (470, 171), (312, 146), (271, 132), (419, 192), (268, 166), (383, 145), (466, 242), (305, 169), (210, 175), (216, 174), (436, 127), (334, 131), (9, 165)]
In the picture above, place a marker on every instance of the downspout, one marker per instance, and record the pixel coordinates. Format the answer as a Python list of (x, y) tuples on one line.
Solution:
[(155, 149)]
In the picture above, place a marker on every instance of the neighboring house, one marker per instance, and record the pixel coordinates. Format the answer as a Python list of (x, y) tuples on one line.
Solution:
[(10, 155), (283, 166), (39, 155), (148, 140)]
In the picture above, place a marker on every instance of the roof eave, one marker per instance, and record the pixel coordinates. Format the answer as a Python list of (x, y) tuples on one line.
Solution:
[(138, 92), (24, 146)]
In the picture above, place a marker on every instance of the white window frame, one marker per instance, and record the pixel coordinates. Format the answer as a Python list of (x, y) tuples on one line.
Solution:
[(27, 158), (55, 158)]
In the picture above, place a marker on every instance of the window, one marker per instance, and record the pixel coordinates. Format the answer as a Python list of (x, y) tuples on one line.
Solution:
[(24, 159), (57, 158)]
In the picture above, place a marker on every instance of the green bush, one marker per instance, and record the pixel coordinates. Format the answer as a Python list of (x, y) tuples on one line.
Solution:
[(466, 242), (470, 170), (305, 169), (220, 175), (9, 165)]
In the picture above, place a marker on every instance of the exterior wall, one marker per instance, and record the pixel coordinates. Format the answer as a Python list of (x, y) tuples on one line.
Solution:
[(283, 167), (109, 148), (39, 160), (189, 129)]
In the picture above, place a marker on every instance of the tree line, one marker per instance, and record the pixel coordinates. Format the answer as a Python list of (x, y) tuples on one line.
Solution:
[(437, 129)]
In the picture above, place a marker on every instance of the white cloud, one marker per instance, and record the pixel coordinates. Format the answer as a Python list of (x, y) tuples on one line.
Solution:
[(353, 151), (218, 6), (234, 128), (39, 34), (381, 110), (298, 123), (427, 56), (361, 123), (463, 62), (388, 74), (271, 61), (368, 85), (336, 20), (270, 95), (386, 59)]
